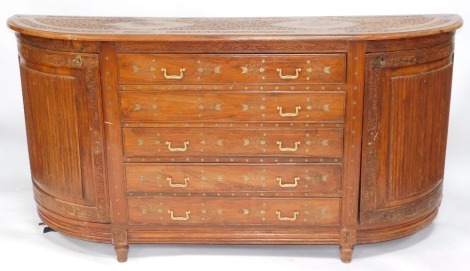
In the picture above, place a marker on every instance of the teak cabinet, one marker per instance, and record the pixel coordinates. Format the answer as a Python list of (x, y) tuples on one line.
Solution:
[(315, 130)]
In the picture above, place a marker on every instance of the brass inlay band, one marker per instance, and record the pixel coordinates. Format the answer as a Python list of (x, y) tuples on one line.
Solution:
[(286, 218), (282, 114), (179, 218), (297, 143), (287, 185), (173, 77), (289, 77), (178, 185), (185, 148)]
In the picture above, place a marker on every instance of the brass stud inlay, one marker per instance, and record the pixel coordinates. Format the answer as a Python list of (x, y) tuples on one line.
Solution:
[(137, 107)]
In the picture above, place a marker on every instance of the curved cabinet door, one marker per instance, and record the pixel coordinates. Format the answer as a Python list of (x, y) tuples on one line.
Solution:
[(62, 101), (405, 131)]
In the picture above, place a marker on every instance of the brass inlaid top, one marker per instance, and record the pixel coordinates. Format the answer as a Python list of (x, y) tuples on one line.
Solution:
[(128, 28)]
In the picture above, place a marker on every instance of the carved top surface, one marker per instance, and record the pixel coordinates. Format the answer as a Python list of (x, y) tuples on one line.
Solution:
[(129, 28)]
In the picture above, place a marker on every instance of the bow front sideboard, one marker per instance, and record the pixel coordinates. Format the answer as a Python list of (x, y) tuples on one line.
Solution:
[(302, 130)]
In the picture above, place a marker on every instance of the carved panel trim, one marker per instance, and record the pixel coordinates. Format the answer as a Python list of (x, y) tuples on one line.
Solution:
[(59, 45), (403, 59), (348, 238), (198, 46), (402, 212), (370, 166), (66, 209), (94, 102)]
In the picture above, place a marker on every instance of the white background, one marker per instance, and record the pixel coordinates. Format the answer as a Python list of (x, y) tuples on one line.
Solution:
[(444, 244)]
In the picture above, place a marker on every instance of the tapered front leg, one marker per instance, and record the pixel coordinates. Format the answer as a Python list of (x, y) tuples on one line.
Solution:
[(121, 245), (347, 242), (346, 253), (121, 253)]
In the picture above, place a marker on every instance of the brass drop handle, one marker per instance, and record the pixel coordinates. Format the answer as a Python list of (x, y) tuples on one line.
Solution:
[(282, 114), (289, 77), (185, 148), (295, 148), (173, 77), (179, 218), (286, 185), (287, 218), (177, 185)]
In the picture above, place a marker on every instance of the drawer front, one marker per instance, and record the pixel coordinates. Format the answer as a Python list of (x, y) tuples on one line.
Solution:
[(229, 211), (207, 68), (232, 107), (313, 179), (190, 142)]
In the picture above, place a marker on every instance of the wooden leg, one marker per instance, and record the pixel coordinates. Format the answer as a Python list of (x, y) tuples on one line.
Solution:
[(121, 253), (347, 241), (121, 245), (346, 254)]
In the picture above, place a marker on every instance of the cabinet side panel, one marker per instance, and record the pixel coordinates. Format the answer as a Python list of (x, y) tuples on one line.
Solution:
[(53, 131), (62, 101), (418, 128), (406, 117)]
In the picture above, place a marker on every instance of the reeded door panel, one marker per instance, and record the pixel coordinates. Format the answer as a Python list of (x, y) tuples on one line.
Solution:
[(405, 132), (63, 117)]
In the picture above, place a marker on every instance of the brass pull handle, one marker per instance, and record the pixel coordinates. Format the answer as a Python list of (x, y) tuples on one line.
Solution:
[(77, 61), (173, 77), (287, 218), (297, 143), (179, 218), (289, 77), (282, 114), (185, 148), (178, 185), (296, 179)]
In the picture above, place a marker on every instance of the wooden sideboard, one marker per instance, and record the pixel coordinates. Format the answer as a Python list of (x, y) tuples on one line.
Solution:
[(310, 130)]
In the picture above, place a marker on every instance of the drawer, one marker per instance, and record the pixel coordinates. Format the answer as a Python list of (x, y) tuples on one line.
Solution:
[(201, 142), (237, 68), (230, 211), (284, 179), (232, 107)]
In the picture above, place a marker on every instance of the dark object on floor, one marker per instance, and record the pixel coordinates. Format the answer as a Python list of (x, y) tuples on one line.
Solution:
[(46, 228)]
